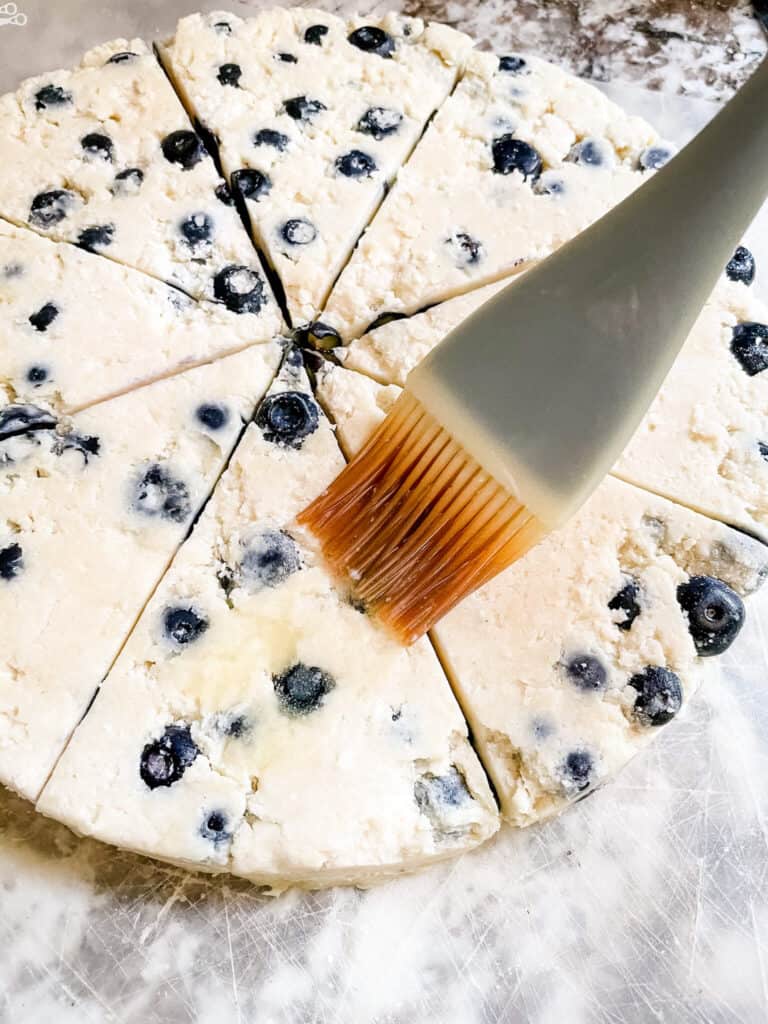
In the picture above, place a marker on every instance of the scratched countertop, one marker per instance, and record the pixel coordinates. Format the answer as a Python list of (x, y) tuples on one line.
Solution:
[(646, 903)]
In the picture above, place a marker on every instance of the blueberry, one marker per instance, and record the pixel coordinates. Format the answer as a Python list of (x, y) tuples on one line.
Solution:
[(233, 725), (214, 417), (302, 688), (230, 74), (355, 164), (182, 626), (287, 58), (549, 184), (317, 336), (512, 64), (127, 182), (383, 319), (197, 229), (37, 375), (223, 28), (11, 561), (762, 447), (435, 792), (288, 418), (215, 828), (49, 208), (251, 184), (223, 194), (95, 144), (302, 109), (158, 493), (626, 602), (314, 34), (511, 154), (659, 695), (586, 672), (85, 444), (240, 289), (715, 613), (124, 57), (590, 152), (748, 344), (466, 250), (44, 317), (654, 157), (52, 96), (271, 137), (183, 148), (576, 770), (270, 559), (97, 237), (298, 231), (165, 760), (18, 419), (741, 266), (380, 122), (373, 40)]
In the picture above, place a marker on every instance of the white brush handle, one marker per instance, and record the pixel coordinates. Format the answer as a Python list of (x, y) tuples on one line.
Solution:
[(545, 384)]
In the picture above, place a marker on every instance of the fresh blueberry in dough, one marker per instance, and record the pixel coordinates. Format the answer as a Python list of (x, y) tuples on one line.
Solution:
[(224, 194), (251, 184), (183, 625), (511, 154), (215, 828), (158, 493), (49, 208), (222, 28), (302, 109), (124, 57), (52, 96), (165, 760), (314, 34), (465, 250), (99, 236), (84, 444), (302, 688), (355, 164), (240, 289), (512, 64), (371, 39), (576, 770), (654, 157), (549, 184), (17, 419), (214, 417), (433, 793), (659, 695), (317, 336), (183, 148), (97, 145), (44, 317), (748, 344), (382, 319), (230, 74), (287, 418), (586, 672), (37, 375), (11, 561), (271, 137), (298, 231), (590, 153), (379, 122), (762, 447), (741, 266), (197, 229), (625, 602), (270, 559), (287, 58), (715, 613), (128, 182)]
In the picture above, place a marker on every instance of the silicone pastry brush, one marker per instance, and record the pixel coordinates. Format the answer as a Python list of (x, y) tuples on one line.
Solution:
[(509, 424)]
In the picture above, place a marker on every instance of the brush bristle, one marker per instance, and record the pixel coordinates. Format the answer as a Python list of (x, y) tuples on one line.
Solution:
[(416, 524)]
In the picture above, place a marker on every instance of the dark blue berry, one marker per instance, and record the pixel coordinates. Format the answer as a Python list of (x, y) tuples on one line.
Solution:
[(164, 761), (44, 317), (741, 266), (298, 231), (183, 148), (158, 493), (37, 375), (511, 154), (49, 208), (197, 229), (235, 726), (52, 96), (512, 64), (18, 419), (287, 58), (383, 319), (466, 250), (11, 561), (590, 152), (223, 28), (270, 559), (654, 157), (317, 336), (127, 182), (85, 444), (659, 695), (271, 137), (380, 122), (288, 418), (251, 184), (230, 74), (586, 671), (223, 194), (748, 345), (97, 237), (715, 613), (355, 164), (626, 602), (576, 770), (214, 417), (302, 688), (182, 626), (314, 34), (763, 449), (302, 109), (124, 57), (549, 184), (215, 828), (433, 793), (371, 39), (240, 289), (95, 144)]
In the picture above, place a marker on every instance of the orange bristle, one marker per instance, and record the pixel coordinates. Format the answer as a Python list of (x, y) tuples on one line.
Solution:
[(416, 524)]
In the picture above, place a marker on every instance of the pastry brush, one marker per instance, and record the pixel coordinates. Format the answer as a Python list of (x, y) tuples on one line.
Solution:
[(510, 423)]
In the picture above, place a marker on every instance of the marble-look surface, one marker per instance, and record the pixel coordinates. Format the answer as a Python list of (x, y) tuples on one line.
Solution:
[(647, 902)]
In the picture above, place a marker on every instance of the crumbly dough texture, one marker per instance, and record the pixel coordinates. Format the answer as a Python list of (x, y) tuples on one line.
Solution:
[(104, 155), (75, 328), (91, 512), (326, 122), (367, 775)]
